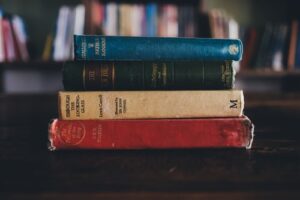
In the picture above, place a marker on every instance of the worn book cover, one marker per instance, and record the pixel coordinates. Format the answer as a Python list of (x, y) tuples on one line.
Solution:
[(150, 104), (98, 47), (151, 134), (147, 75)]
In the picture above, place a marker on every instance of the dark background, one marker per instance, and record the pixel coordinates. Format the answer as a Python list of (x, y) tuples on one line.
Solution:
[(28, 100)]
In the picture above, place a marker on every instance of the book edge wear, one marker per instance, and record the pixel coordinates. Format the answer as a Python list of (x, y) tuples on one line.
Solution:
[(151, 134), (98, 47)]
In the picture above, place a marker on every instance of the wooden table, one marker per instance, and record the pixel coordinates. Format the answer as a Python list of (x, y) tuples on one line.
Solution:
[(28, 170)]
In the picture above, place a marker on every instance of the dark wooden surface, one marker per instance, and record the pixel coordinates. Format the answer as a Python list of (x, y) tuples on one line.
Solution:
[(269, 171)]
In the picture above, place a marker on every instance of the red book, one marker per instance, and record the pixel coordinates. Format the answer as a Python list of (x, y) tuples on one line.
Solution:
[(9, 46), (250, 49), (151, 134)]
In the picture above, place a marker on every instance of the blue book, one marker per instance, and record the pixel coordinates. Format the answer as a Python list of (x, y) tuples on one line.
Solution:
[(98, 47), (151, 19)]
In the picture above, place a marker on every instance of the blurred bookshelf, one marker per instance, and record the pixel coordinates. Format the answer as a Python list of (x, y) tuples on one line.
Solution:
[(267, 74), (251, 20), (33, 65)]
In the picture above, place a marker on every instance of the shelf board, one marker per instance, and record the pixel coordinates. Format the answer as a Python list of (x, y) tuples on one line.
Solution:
[(267, 74), (32, 65)]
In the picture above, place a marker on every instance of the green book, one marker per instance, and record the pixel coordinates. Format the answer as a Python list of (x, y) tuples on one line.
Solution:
[(147, 75)]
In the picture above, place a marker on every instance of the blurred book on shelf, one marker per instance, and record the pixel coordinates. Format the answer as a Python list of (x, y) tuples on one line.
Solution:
[(125, 19), (13, 38), (271, 48), (293, 44), (70, 21), (140, 19), (216, 23)]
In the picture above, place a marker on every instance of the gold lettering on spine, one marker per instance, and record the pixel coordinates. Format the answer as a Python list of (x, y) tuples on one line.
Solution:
[(97, 46), (113, 75), (164, 74), (83, 48), (154, 75), (230, 72), (223, 68), (92, 75), (104, 74), (99, 76), (226, 73), (103, 47)]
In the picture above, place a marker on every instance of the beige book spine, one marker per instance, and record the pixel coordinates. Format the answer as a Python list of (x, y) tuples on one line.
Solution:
[(150, 104)]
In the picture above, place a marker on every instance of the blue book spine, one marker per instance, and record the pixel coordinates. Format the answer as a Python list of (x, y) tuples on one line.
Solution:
[(151, 21), (97, 47)]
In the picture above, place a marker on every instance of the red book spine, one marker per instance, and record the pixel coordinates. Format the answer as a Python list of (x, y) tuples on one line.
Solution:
[(151, 134), (5, 27)]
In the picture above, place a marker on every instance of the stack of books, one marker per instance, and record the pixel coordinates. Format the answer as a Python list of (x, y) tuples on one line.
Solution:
[(150, 92)]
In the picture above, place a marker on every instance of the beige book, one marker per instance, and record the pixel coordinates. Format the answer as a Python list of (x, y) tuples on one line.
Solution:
[(125, 12), (150, 104)]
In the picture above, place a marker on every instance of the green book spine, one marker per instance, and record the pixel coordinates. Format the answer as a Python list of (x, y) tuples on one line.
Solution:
[(147, 75)]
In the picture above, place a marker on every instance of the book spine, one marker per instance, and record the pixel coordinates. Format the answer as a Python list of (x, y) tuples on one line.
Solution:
[(297, 57), (293, 45), (150, 104), (9, 47), (96, 47), (151, 19), (151, 134), (148, 75), (2, 40)]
